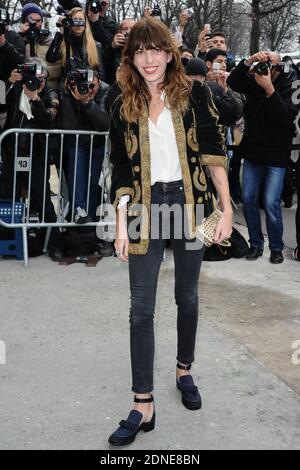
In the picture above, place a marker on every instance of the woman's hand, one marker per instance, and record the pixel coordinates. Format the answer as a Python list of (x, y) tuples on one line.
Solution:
[(122, 241), (224, 227)]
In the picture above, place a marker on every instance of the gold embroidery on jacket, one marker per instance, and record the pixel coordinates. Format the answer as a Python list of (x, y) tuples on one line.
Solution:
[(145, 178), (131, 143), (186, 175), (199, 180), (137, 192), (192, 135)]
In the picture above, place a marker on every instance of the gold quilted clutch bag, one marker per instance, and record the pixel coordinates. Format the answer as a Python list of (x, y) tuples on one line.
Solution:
[(207, 229)]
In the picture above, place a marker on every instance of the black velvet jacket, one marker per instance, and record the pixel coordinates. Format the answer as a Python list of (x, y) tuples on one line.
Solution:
[(200, 142)]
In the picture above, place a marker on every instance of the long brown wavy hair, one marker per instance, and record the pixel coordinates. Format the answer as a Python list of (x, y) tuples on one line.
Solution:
[(152, 33), (88, 42)]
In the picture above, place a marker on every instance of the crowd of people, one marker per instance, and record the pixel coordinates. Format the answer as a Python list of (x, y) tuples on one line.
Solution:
[(70, 82)]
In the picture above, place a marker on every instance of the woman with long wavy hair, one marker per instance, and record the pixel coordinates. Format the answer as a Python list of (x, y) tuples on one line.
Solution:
[(84, 50), (163, 131)]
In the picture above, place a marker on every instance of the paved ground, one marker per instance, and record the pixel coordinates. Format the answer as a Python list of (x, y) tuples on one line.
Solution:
[(66, 381)]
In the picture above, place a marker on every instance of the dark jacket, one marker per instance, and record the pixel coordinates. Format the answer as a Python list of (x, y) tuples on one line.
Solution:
[(112, 59), (200, 142), (92, 116), (269, 121), (44, 113), (229, 104), (12, 53), (104, 30)]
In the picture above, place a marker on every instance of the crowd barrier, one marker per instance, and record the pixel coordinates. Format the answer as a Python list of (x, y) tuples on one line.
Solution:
[(53, 156)]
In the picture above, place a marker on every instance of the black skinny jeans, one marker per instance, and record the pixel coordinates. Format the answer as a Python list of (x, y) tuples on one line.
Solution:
[(298, 202), (144, 271)]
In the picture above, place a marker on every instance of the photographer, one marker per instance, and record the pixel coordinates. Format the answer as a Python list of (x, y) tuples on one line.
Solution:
[(113, 53), (82, 107), (12, 47), (32, 32), (102, 24), (31, 104), (85, 52), (266, 144)]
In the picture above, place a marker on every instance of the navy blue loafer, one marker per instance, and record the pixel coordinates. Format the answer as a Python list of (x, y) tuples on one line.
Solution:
[(128, 429), (191, 397)]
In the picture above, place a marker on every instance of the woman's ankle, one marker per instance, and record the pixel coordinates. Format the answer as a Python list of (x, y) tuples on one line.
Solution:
[(185, 370)]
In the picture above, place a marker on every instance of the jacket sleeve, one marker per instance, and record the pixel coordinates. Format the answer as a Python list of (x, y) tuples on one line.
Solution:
[(280, 109), (229, 107), (53, 53), (240, 80), (104, 30), (121, 183), (44, 111), (209, 133), (96, 114), (10, 57)]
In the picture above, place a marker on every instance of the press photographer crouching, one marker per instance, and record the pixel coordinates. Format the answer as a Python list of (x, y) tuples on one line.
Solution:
[(266, 144), (82, 107), (31, 104)]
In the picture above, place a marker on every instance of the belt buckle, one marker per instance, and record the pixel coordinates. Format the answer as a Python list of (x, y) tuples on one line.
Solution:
[(165, 186)]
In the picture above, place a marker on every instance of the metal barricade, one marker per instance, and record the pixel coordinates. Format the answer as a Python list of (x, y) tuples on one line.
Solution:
[(22, 168)]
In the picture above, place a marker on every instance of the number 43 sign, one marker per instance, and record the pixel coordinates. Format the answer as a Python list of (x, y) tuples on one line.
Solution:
[(22, 164)]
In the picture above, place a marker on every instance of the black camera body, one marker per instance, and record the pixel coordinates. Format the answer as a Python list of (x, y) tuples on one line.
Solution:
[(96, 6), (67, 21), (82, 79), (156, 11), (30, 73), (262, 68), (33, 33), (4, 20)]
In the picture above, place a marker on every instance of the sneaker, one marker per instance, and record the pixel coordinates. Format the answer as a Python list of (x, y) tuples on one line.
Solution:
[(105, 248), (81, 217), (276, 257), (296, 254)]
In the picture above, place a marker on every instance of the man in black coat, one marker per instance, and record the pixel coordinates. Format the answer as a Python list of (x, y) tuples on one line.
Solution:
[(12, 47), (266, 144), (102, 23)]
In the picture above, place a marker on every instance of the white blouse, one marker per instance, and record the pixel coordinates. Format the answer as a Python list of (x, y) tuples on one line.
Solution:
[(165, 163), (164, 156)]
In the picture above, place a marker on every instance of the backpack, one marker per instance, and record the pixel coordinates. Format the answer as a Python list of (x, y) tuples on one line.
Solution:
[(78, 242)]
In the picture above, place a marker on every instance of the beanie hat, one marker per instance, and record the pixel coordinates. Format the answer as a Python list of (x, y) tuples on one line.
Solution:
[(30, 8), (196, 66)]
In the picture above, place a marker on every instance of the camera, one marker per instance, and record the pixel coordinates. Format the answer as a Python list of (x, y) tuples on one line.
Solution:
[(283, 67), (156, 11), (82, 79), (96, 6), (68, 22), (34, 33), (4, 20), (30, 74), (262, 68)]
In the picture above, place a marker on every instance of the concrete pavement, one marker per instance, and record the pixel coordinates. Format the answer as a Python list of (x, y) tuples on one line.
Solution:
[(66, 381)]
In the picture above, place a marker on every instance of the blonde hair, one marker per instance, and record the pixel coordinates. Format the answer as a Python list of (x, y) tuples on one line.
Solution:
[(151, 33), (89, 43)]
